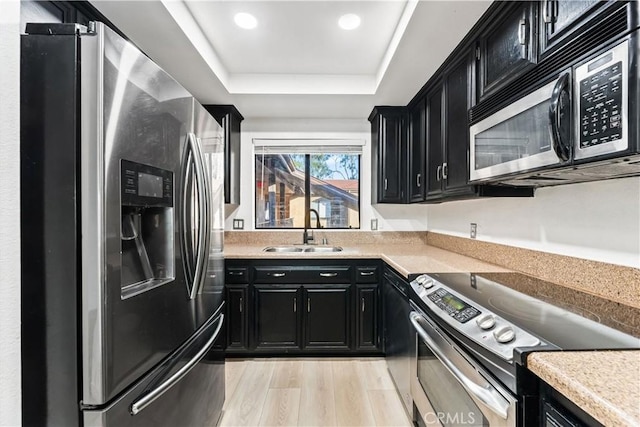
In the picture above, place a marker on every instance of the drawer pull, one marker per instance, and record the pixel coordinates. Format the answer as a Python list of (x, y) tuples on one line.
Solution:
[(367, 273), (332, 274), (277, 274), (236, 273)]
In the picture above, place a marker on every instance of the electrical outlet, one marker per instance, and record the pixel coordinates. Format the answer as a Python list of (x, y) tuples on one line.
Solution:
[(238, 224), (374, 224), (474, 229)]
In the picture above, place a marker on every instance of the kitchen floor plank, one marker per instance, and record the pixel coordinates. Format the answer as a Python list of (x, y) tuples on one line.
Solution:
[(311, 392), (317, 402), (233, 370), (387, 408), (352, 404), (281, 407), (245, 409), (287, 374)]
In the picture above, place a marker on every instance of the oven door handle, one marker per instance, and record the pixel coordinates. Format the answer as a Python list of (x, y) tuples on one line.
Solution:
[(486, 393)]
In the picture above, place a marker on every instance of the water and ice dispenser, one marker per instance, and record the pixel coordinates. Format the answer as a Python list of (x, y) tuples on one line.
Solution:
[(147, 227)]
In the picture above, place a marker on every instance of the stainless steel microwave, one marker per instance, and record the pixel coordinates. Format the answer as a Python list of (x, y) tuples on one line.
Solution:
[(557, 133)]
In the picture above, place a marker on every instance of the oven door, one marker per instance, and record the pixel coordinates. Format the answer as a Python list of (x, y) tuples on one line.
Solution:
[(449, 388), (531, 133)]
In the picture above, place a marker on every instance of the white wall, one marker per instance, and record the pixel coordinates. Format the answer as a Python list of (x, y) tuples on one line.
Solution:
[(597, 221), (390, 217), (9, 213)]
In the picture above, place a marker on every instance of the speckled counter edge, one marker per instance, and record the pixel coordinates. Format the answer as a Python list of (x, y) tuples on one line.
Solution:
[(613, 282), (602, 383)]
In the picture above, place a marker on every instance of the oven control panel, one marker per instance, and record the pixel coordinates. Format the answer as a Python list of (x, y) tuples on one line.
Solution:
[(488, 329), (453, 306)]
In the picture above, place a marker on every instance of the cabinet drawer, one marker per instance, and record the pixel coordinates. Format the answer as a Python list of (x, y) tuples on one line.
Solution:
[(303, 274), (367, 274), (236, 275)]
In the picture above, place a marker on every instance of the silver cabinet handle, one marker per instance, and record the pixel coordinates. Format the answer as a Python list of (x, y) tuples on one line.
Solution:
[(367, 273), (236, 273), (546, 12), (486, 393), (154, 394), (277, 274), (386, 184), (418, 180), (522, 32), (438, 172), (295, 304), (240, 304), (308, 305), (445, 171), (332, 274), (362, 305)]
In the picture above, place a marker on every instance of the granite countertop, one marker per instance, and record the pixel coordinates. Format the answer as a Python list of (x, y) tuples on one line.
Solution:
[(406, 258), (605, 384)]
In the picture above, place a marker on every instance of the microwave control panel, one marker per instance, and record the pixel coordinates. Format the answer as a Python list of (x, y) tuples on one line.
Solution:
[(601, 91), (601, 105)]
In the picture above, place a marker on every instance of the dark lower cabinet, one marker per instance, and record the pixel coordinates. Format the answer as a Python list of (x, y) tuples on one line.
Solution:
[(237, 316), (327, 317), (368, 317), (277, 317), (303, 306)]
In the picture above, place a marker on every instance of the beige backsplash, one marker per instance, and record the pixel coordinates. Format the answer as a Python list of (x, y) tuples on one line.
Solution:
[(613, 282)]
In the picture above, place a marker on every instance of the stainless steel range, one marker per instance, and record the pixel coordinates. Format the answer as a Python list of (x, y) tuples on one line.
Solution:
[(473, 333)]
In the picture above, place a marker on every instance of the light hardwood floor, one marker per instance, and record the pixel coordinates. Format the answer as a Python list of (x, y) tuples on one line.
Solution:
[(311, 392)]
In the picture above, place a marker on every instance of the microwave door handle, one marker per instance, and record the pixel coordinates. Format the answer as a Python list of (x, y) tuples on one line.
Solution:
[(487, 394), (560, 117)]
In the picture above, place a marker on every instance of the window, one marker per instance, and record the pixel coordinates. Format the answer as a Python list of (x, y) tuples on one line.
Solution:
[(291, 181)]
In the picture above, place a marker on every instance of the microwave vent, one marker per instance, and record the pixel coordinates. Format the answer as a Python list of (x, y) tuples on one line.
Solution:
[(604, 30)]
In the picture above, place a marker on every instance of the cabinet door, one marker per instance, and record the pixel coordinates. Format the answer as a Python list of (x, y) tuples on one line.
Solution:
[(416, 152), (277, 317), (237, 318), (391, 156), (558, 18), (456, 165), (507, 48), (367, 319), (434, 142), (326, 317)]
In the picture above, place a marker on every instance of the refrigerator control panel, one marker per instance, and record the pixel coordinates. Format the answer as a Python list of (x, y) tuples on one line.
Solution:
[(145, 186)]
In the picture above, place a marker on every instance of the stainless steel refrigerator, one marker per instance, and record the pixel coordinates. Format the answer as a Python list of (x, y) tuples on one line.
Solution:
[(122, 232)]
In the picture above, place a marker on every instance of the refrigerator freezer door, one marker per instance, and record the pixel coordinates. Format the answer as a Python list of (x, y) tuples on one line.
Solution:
[(187, 389)]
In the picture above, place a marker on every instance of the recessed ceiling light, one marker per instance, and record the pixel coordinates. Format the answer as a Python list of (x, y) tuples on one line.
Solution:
[(350, 21), (245, 20)]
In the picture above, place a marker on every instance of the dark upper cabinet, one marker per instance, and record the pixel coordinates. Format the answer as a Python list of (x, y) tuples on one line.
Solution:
[(507, 47), (448, 132), (559, 20), (387, 127), (327, 317), (457, 94), (230, 119), (434, 142), (237, 317), (416, 146), (277, 317)]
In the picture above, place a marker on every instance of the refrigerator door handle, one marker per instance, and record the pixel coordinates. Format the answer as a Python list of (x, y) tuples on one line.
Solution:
[(204, 230), (154, 394), (186, 213)]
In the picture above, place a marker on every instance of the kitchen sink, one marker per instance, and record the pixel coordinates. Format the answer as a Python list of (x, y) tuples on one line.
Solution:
[(303, 248)]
